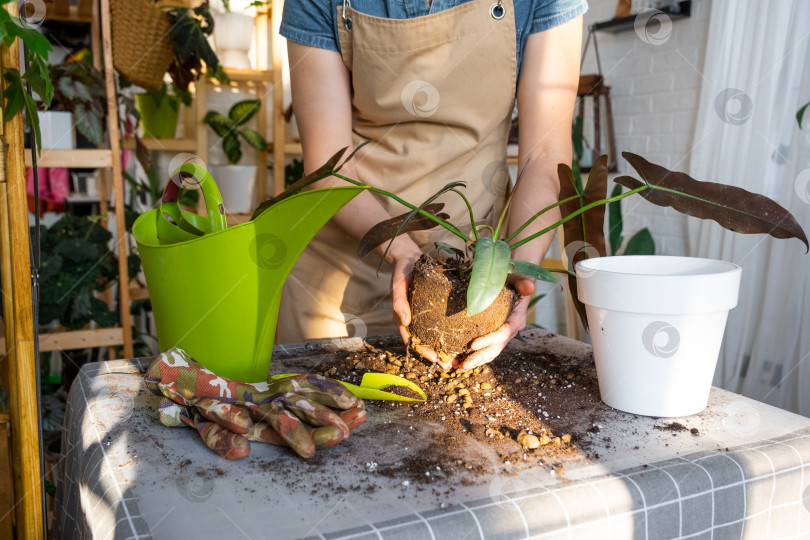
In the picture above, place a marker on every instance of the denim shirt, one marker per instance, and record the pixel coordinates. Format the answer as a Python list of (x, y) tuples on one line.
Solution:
[(314, 22)]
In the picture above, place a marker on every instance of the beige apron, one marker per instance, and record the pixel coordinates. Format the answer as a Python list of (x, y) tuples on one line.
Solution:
[(434, 94)]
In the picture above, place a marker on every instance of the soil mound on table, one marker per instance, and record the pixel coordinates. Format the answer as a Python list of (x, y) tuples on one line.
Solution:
[(519, 394), (438, 298)]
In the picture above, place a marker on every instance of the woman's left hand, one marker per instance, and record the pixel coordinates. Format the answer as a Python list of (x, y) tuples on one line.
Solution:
[(487, 348)]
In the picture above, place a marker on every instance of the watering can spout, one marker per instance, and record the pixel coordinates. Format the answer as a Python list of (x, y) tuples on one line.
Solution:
[(217, 295)]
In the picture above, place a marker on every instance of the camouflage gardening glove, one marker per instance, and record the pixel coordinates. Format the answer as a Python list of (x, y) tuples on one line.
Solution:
[(229, 414)]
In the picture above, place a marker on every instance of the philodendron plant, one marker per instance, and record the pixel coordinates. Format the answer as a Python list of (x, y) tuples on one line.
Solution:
[(583, 209)]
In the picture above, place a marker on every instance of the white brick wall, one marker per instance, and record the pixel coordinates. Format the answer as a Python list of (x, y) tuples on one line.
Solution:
[(655, 90)]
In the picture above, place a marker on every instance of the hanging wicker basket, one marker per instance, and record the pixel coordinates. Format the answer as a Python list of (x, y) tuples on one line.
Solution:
[(142, 46)]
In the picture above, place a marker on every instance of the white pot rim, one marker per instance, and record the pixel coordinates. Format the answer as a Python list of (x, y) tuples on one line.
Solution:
[(665, 266), (658, 284)]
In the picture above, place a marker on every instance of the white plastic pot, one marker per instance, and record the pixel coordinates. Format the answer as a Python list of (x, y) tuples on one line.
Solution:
[(656, 326), (233, 36), (237, 184), (57, 131)]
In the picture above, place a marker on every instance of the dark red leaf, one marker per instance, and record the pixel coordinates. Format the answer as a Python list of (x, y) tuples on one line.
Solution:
[(734, 208), (588, 227), (385, 230)]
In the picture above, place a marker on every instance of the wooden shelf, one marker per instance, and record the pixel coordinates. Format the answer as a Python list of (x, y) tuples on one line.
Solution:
[(77, 159), (291, 148), (628, 23), (170, 145), (76, 339), (247, 75)]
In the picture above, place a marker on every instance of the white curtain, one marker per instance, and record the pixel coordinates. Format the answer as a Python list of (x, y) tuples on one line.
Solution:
[(756, 75)]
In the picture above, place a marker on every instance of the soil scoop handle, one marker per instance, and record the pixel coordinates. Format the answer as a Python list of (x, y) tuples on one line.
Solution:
[(373, 386)]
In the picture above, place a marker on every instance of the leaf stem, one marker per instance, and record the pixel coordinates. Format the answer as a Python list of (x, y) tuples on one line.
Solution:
[(538, 214), (469, 209), (577, 213), (428, 215)]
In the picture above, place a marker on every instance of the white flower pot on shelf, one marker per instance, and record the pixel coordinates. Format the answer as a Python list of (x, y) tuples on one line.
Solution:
[(656, 325), (237, 184), (57, 131), (233, 36)]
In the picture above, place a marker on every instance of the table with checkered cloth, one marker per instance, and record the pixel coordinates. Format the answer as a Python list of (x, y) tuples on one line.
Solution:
[(122, 475)]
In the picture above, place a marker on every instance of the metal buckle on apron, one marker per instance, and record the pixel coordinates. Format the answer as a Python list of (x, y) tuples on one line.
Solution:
[(496, 10), (347, 21)]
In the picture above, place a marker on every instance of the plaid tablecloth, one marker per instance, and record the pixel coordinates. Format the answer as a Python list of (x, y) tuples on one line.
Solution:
[(124, 476)]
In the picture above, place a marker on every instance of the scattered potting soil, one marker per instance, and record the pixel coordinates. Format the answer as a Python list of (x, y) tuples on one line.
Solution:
[(439, 320), (672, 426), (531, 407)]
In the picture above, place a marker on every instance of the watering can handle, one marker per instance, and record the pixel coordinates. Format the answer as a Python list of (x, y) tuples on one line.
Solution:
[(213, 199)]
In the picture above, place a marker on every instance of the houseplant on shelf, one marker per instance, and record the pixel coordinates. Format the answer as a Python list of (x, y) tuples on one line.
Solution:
[(483, 262), (160, 109), (79, 89), (236, 182)]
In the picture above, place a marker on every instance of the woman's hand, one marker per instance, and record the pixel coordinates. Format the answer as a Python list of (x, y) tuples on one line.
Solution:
[(487, 348)]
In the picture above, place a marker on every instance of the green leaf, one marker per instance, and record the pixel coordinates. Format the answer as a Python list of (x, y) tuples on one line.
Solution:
[(615, 224), (243, 111), (39, 79), (441, 246), (221, 125), (88, 124), (35, 41), (384, 231), (101, 313), (232, 148), (253, 138), (32, 118), (14, 94), (732, 207), (490, 268), (641, 243), (525, 268), (800, 113), (576, 137)]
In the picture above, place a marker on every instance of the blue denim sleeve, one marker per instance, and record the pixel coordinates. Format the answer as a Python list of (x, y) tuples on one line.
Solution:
[(310, 22), (550, 13)]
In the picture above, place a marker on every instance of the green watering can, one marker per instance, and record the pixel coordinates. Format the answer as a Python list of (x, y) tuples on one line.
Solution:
[(215, 290)]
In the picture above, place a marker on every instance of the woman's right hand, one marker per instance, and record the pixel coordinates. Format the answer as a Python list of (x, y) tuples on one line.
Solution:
[(403, 260)]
